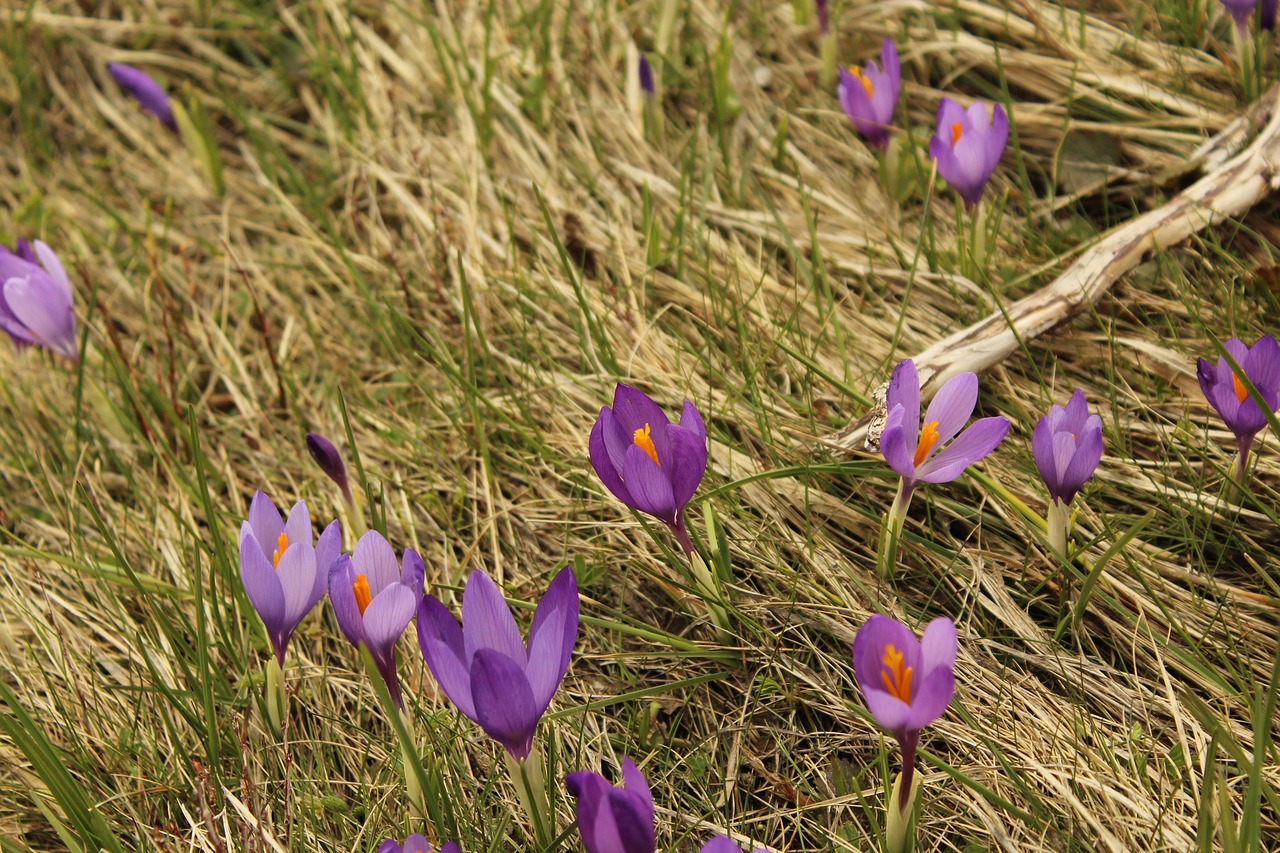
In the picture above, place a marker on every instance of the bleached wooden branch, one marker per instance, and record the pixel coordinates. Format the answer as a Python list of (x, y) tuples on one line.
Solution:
[(1229, 188)]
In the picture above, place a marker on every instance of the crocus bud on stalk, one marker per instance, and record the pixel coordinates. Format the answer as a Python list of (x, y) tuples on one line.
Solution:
[(416, 844), (149, 94), (725, 844), (1227, 394), (907, 684), (36, 303), (927, 454), (869, 97), (1067, 445), (1241, 10), (968, 146), (649, 463), (826, 42), (1267, 14), (330, 462), (614, 820)]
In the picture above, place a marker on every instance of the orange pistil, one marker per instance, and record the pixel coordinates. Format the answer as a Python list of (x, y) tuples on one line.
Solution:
[(866, 82), (645, 443), (928, 438), (957, 130), (896, 677), (281, 544), (1241, 392), (361, 589)]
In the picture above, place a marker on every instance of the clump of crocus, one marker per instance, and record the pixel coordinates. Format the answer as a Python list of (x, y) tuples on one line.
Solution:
[(968, 146), (926, 453), (725, 844), (649, 463), (1067, 445), (870, 96), (284, 574), (374, 598), (330, 462), (149, 94), (36, 303), (497, 681), (416, 843), (1229, 395), (907, 684), (614, 820)]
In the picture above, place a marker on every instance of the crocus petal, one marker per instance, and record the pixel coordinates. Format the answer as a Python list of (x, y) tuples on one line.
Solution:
[(387, 616), (721, 844), (297, 575), (649, 485), (1263, 363), (413, 572), (634, 829), (343, 596), (264, 518), (904, 390), (616, 439), (374, 558), (590, 790), (328, 547), (889, 711), (938, 645), (898, 450), (487, 621), (146, 91), (691, 419), (932, 698), (261, 585), (1064, 450), (552, 637), (637, 785), (977, 441), (440, 639), (950, 112), (634, 409), (952, 405), (504, 702), (53, 267), (43, 311), (390, 846), (298, 525), (417, 843), (689, 463), (869, 645), (602, 461), (997, 140), (450, 847)]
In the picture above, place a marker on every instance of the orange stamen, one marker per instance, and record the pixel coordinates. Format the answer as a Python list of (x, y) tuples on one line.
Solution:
[(281, 544), (957, 130), (896, 677), (645, 443), (866, 82), (928, 438), (361, 589), (1241, 391)]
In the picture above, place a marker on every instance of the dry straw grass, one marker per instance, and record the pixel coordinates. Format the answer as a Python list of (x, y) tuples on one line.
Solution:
[(383, 239)]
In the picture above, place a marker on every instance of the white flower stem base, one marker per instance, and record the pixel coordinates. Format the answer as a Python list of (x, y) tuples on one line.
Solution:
[(530, 780), (277, 699), (1059, 521), (409, 754), (891, 531), (900, 822)]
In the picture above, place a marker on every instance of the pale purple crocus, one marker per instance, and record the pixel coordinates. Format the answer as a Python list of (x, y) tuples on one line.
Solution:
[(484, 667), (649, 463), (725, 844), (36, 302), (149, 94), (907, 683), (968, 146), (1227, 394), (374, 599), (416, 843), (330, 462), (1067, 445), (283, 572), (614, 819), (870, 96)]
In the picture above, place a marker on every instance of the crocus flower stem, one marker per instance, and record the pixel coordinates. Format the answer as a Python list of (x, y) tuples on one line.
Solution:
[(277, 700), (891, 529), (531, 789), (1058, 518), (903, 797)]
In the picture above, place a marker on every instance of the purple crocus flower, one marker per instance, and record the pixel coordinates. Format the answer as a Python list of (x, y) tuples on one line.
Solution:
[(330, 461), (416, 843), (283, 573), (725, 844), (36, 303), (907, 683), (968, 146), (922, 455), (1240, 10), (646, 75), (824, 16), (374, 599), (649, 463), (1228, 394), (1267, 14), (614, 820), (870, 96), (146, 91), (1067, 445), (484, 667)]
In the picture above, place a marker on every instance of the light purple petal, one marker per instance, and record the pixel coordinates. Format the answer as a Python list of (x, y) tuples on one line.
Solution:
[(552, 637), (487, 622), (952, 406), (996, 140), (721, 844), (932, 698), (950, 112), (904, 390), (146, 91), (440, 639), (637, 785), (413, 572), (689, 463), (869, 645), (602, 460), (417, 843), (297, 575), (937, 646), (53, 267), (977, 441), (262, 586), (328, 547), (898, 450), (374, 558), (390, 846), (691, 419), (635, 831), (298, 525), (387, 616), (504, 702), (1262, 365), (265, 520), (634, 409), (590, 790), (649, 485), (890, 711), (616, 439), (343, 596), (43, 310)]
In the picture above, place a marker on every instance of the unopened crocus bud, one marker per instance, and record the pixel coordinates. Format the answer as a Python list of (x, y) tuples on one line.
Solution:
[(968, 146), (330, 461), (149, 94), (646, 75), (36, 305)]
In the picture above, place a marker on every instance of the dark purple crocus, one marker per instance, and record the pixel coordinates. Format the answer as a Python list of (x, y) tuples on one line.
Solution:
[(1229, 396), (968, 146), (870, 96), (907, 683), (149, 94), (725, 844), (416, 843), (614, 820), (283, 573), (330, 461), (36, 303), (1267, 14), (374, 598), (1067, 445), (824, 16), (649, 463), (484, 667), (646, 75), (1240, 10)]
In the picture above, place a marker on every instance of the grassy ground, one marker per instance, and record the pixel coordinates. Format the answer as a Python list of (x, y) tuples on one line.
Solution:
[(447, 216)]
